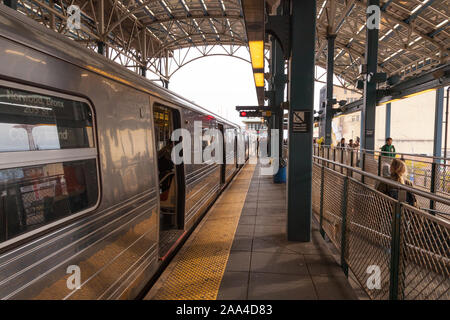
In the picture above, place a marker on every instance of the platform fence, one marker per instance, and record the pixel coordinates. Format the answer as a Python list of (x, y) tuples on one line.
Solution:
[(394, 250), (427, 173)]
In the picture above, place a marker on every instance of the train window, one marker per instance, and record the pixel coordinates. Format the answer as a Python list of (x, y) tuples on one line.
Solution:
[(30, 121), (48, 164), (208, 139), (34, 196), (163, 127)]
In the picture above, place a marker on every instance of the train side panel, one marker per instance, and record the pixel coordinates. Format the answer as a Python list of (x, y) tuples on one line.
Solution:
[(116, 241), (202, 179)]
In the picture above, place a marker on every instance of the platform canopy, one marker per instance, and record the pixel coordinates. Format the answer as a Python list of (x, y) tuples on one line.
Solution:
[(146, 34), (413, 37)]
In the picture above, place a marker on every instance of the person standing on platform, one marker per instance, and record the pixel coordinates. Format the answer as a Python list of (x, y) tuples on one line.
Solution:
[(341, 145), (257, 146), (398, 174), (388, 150), (351, 144), (356, 145)]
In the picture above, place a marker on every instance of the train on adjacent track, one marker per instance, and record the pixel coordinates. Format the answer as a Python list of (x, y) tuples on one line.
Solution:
[(87, 188)]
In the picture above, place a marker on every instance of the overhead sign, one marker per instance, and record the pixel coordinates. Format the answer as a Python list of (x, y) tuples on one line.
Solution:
[(252, 108), (250, 114), (301, 121), (255, 113)]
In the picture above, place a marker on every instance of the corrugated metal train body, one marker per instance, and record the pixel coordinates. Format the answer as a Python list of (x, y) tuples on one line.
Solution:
[(115, 245)]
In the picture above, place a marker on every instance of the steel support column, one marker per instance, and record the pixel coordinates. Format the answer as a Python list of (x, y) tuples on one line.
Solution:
[(301, 98), (387, 131), (11, 3), (329, 103), (438, 119), (271, 121), (370, 89), (437, 141), (269, 135), (143, 71), (101, 48), (280, 84)]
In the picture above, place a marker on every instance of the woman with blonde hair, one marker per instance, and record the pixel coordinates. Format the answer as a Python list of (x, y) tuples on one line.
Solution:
[(398, 174)]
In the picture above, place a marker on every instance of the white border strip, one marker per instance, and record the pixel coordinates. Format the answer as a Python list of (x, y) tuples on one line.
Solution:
[(17, 159)]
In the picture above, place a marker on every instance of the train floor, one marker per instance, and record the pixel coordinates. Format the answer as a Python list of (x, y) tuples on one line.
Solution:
[(239, 251)]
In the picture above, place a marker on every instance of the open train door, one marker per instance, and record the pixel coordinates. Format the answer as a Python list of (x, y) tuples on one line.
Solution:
[(171, 178)]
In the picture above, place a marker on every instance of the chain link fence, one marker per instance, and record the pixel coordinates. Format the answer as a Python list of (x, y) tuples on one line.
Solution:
[(395, 251), (424, 256), (316, 185), (431, 174)]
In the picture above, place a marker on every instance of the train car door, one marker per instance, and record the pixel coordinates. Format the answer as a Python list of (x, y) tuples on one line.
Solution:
[(171, 178), (236, 158), (222, 166)]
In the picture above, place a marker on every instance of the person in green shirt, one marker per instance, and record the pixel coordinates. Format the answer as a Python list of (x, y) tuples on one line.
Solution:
[(388, 150)]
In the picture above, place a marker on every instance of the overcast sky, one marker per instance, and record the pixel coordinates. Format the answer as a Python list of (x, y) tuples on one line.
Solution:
[(219, 84)]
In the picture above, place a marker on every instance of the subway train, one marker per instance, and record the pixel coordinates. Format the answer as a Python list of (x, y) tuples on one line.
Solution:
[(91, 207)]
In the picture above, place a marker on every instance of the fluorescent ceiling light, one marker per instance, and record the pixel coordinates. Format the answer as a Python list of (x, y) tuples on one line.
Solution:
[(259, 79), (257, 53)]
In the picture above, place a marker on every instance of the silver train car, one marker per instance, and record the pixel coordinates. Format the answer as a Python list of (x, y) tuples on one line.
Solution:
[(91, 206)]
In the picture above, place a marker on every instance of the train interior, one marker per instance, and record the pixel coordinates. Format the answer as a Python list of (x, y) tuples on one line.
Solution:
[(170, 225)]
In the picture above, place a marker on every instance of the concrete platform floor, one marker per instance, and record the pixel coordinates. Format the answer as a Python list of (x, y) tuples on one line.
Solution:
[(263, 264), (252, 259)]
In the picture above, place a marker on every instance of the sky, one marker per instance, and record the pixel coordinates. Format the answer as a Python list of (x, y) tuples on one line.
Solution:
[(217, 83), (220, 83)]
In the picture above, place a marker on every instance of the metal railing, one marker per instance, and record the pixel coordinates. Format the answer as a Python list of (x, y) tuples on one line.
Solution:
[(427, 173), (395, 251)]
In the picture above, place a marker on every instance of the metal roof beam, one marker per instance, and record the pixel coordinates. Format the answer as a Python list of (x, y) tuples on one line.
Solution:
[(172, 17), (419, 11), (386, 5), (188, 13), (438, 30), (203, 5), (194, 16), (222, 7), (347, 11), (363, 5)]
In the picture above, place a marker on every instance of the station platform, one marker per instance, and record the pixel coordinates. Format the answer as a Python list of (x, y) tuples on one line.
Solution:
[(240, 251)]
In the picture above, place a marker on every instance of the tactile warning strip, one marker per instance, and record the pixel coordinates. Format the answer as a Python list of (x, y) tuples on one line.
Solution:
[(199, 267)]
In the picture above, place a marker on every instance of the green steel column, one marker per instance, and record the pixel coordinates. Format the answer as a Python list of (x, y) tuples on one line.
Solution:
[(329, 104), (370, 89), (301, 107), (269, 135), (387, 132), (279, 86), (437, 142), (438, 118), (271, 121)]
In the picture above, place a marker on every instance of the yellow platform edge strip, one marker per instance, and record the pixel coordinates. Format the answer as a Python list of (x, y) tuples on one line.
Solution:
[(199, 267)]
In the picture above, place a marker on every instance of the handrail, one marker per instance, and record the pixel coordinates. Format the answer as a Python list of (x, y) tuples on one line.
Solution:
[(379, 151), (390, 182)]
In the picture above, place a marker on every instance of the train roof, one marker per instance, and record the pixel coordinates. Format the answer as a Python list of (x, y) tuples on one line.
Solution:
[(38, 37)]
